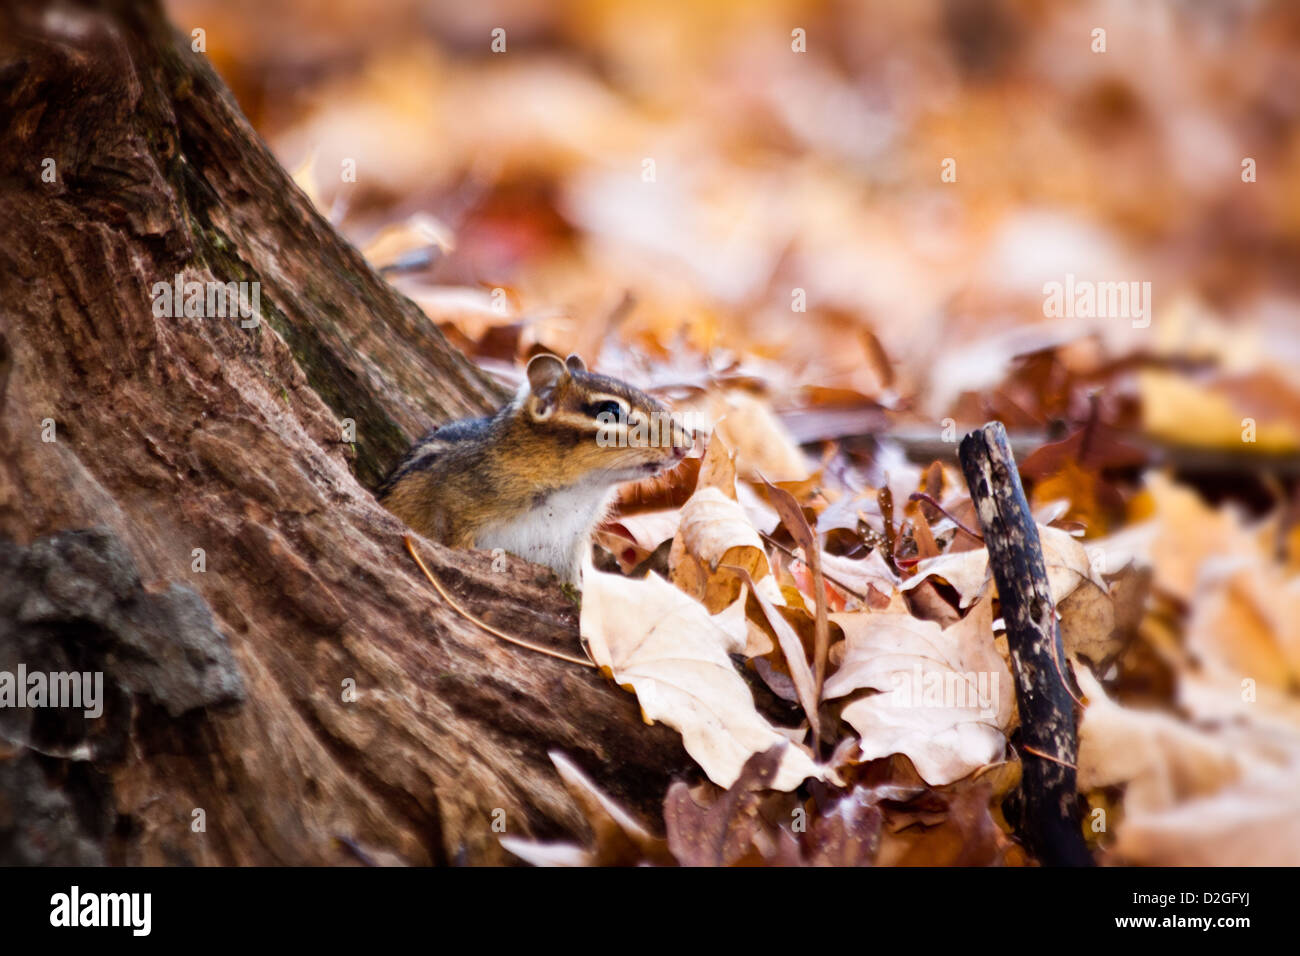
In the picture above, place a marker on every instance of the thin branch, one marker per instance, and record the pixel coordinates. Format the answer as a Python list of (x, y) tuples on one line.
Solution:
[(929, 500), (1046, 756), (768, 539)]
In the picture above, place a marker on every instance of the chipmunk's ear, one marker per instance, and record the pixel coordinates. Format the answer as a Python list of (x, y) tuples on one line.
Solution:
[(545, 372), (575, 363)]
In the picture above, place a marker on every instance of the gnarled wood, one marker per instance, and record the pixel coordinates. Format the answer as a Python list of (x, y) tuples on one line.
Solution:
[(177, 434)]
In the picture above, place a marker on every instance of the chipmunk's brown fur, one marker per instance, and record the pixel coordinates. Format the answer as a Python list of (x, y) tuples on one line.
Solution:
[(538, 476)]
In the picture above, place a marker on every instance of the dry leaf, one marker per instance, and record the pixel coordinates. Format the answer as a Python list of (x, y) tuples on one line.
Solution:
[(718, 467), (966, 571), (1160, 759), (673, 655), (762, 444), (547, 854), (730, 830), (946, 695), (792, 517), (1188, 413), (796, 660), (1088, 623), (417, 233), (847, 833), (1187, 533), (1065, 557), (1254, 823), (714, 535), (862, 576), (649, 529), (1245, 622)]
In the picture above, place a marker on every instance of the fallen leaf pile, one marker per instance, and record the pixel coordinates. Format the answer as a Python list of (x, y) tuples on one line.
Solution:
[(908, 751)]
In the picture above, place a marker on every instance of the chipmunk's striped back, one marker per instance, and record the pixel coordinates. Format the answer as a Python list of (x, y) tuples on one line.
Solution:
[(424, 453)]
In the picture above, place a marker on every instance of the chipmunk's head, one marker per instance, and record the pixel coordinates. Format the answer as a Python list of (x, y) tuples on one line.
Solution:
[(609, 432)]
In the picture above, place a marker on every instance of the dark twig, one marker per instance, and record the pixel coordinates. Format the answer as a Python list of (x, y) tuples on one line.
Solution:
[(1048, 718)]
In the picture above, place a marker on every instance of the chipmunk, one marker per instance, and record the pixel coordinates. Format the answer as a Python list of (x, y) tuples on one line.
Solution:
[(536, 478)]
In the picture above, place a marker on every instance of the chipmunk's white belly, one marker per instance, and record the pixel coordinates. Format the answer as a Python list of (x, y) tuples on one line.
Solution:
[(554, 533)]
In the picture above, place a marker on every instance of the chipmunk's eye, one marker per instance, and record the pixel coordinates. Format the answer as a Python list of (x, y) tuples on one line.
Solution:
[(607, 409)]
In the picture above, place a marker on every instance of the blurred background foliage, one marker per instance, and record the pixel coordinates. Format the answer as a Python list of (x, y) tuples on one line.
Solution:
[(819, 171)]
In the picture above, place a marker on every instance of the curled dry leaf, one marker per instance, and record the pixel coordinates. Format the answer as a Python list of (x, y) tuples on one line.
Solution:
[(792, 517), (927, 603), (625, 551), (869, 579), (946, 696), (667, 491), (650, 529), (715, 536), (763, 445), (801, 675), (966, 571), (1065, 556), (673, 655), (714, 530), (634, 537)]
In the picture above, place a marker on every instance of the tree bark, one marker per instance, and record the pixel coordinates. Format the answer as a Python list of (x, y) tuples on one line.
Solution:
[(226, 667)]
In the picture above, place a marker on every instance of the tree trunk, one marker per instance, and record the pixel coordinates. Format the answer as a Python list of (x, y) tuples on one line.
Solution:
[(240, 574)]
